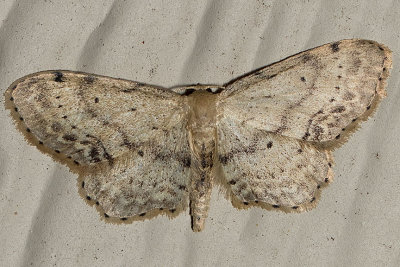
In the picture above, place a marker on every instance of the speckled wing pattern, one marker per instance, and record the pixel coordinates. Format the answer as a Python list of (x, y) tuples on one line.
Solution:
[(276, 126), (131, 157), (262, 167), (267, 136)]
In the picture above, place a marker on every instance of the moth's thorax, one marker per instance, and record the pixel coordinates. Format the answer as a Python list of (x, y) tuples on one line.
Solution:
[(202, 111)]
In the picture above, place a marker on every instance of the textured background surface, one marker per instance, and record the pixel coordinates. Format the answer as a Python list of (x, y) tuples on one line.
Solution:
[(43, 219)]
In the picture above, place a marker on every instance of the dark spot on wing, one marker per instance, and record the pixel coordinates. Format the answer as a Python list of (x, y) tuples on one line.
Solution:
[(88, 198), (303, 79), (83, 184), (96, 100), (223, 159), (56, 127), (318, 130), (89, 79), (108, 157), (142, 214), (275, 206), (306, 135), (335, 47), (128, 144), (348, 96), (232, 182), (129, 90), (94, 154), (140, 153), (58, 76), (306, 57), (69, 137), (269, 145), (202, 177), (182, 187), (338, 109), (187, 162)]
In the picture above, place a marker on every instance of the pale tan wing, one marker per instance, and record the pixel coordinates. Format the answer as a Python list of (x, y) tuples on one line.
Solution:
[(134, 133), (313, 95), (157, 176), (262, 167)]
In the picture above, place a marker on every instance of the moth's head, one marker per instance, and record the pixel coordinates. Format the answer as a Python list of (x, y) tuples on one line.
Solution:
[(189, 89)]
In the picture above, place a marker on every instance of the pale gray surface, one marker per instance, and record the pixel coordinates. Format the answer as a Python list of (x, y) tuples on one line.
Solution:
[(45, 222)]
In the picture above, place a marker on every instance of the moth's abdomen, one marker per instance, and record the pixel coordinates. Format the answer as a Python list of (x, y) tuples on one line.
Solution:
[(203, 154)]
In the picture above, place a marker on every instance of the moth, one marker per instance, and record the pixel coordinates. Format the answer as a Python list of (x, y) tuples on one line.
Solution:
[(266, 137)]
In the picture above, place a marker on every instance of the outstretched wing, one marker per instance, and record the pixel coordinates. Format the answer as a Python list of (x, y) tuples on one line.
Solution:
[(119, 135), (269, 168), (276, 125), (313, 95)]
